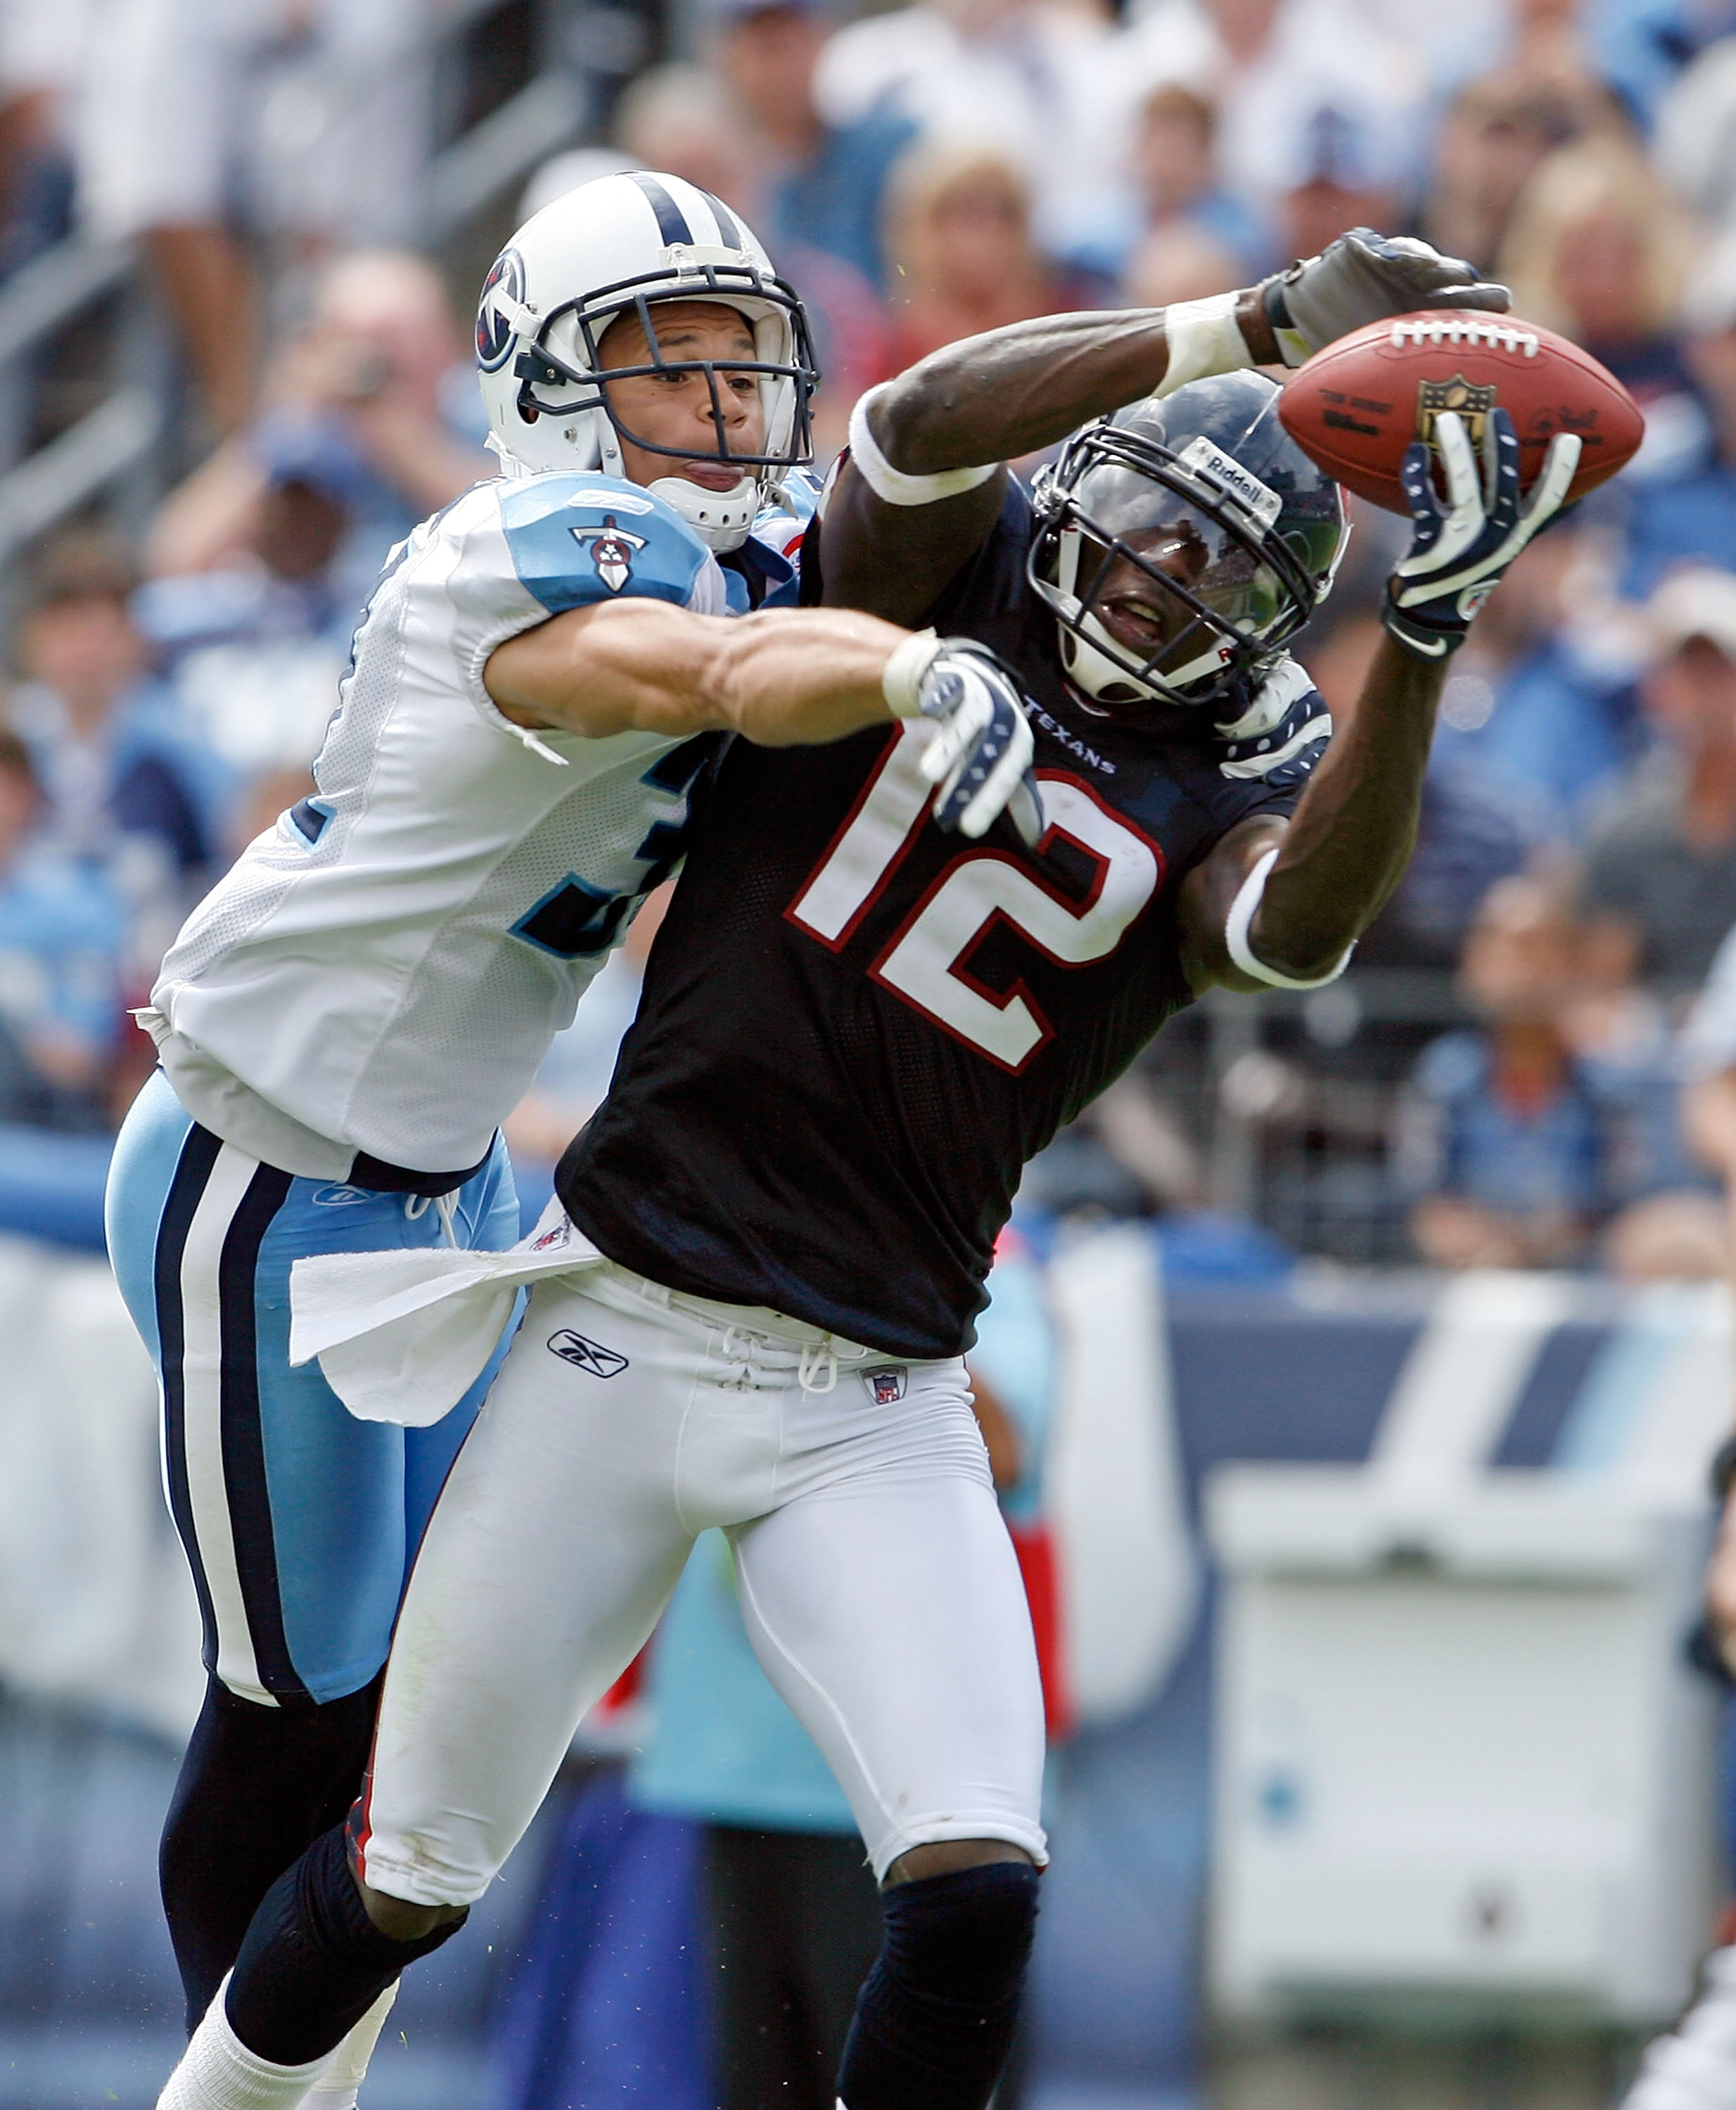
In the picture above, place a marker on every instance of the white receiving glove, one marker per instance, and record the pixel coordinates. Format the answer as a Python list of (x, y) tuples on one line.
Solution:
[(982, 751), (1459, 550)]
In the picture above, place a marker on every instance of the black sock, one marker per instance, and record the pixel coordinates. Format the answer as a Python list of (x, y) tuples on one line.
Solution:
[(313, 1963), (936, 2013), (258, 1785)]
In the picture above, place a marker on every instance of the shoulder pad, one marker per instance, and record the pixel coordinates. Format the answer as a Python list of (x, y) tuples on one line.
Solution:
[(1282, 733), (575, 539), (781, 527)]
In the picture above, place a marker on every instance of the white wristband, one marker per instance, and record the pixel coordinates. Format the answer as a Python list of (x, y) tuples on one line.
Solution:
[(1204, 338), (1235, 934), (902, 677), (892, 484)]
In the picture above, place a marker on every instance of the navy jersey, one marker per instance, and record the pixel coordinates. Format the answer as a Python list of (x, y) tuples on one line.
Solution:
[(856, 1029)]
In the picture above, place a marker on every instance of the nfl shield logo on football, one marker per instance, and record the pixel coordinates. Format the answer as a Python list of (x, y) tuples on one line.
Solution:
[(888, 1386)]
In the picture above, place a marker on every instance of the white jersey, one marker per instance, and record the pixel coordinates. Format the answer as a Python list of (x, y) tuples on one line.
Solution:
[(383, 970)]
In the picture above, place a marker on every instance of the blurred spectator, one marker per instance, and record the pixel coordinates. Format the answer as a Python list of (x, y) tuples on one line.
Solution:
[(825, 182), (959, 233), (1472, 829), (255, 647), (1695, 149), (1495, 132), (1340, 169), (1641, 45), (125, 789), (204, 126), (1661, 870), (679, 118), (1199, 238), (1041, 80), (43, 55), (1541, 702), (1708, 1064), (372, 406), (62, 936), (1679, 496), (1519, 1149), (1597, 249), (1305, 90)]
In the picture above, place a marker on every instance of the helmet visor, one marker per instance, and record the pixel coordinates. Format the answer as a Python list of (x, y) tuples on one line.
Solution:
[(1163, 579)]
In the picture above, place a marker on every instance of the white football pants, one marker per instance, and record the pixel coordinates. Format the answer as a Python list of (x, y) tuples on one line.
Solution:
[(878, 1584)]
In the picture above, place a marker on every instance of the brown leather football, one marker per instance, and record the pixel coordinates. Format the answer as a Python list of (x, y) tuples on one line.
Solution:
[(1355, 406)]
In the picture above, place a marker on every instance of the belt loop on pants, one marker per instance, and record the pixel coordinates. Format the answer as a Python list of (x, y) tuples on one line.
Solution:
[(818, 1361)]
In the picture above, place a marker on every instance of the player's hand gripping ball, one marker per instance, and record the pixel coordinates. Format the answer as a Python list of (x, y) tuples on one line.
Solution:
[(1359, 278), (980, 753), (1460, 550), (1357, 406)]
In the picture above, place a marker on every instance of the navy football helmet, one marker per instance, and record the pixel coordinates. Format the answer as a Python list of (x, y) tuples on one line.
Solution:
[(1182, 543)]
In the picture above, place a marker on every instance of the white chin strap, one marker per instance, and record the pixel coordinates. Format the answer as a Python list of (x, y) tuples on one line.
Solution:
[(1096, 670), (720, 519)]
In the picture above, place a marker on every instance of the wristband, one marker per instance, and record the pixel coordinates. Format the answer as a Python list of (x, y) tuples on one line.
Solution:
[(1294, 348), (902, 677), (1204, 338), (892, 484), (1235, 934)]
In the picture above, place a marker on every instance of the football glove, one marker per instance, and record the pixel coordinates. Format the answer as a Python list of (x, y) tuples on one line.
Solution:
[(1363, 278), (980, 754), (1459, 549)]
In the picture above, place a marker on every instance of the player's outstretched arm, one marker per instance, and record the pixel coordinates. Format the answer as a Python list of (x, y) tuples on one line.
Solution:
[(924, 483), (1280, 904), (785, 677)]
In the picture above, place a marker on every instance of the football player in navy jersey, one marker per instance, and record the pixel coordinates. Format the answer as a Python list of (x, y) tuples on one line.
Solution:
[(753, 1295)]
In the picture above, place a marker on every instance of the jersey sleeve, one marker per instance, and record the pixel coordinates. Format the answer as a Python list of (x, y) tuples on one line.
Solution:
[(512, 553), (992, 583)]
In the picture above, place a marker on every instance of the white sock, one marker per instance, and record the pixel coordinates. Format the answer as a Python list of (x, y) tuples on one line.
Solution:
[(337, 2087), (218, 2073)]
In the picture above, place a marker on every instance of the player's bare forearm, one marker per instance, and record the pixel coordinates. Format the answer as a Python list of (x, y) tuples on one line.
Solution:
[(1342, 851), (1009, 391), (783, 677), (991, 398)]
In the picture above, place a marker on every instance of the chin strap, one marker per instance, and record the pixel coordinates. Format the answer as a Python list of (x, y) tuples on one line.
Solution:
[(722, 519)]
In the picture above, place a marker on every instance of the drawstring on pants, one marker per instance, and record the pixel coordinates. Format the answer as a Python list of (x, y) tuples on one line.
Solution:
[(817, 1371), (445, 1207)]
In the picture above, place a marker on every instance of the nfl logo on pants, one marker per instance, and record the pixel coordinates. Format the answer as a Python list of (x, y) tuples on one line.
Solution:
[(888, 1386)]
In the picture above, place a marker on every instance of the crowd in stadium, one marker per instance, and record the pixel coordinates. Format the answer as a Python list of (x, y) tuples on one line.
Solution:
[(920, 175)]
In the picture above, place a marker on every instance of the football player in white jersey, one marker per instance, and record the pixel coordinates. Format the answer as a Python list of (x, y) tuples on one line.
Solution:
[(542, 676)]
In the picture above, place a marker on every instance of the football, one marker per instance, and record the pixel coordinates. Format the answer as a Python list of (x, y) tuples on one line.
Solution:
[(1355, 406)]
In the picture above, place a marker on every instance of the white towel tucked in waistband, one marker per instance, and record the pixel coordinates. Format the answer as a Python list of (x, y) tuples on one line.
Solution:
[(403, 1336)]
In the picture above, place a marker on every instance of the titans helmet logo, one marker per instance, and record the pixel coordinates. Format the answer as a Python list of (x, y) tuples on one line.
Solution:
[(493, 328)]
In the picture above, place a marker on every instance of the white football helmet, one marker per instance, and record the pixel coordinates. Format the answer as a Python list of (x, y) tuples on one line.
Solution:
[(624, 242)]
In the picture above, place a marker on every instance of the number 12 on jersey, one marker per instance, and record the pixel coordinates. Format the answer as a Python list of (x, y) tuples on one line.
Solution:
[(927, 961)]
